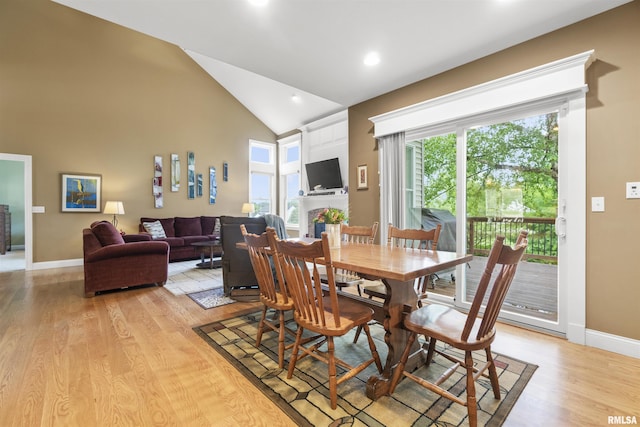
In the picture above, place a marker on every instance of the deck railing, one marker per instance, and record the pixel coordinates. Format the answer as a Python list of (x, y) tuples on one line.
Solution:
[(543, 242)]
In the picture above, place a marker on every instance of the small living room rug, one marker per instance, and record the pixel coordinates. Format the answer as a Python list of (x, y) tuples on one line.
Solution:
[(211, 298), (185, 278), (304, 397)]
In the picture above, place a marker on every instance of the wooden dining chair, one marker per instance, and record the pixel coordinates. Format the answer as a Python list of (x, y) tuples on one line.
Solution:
[(466, 332), (320, 310), (272, 296), (353, 234), (409, 238)]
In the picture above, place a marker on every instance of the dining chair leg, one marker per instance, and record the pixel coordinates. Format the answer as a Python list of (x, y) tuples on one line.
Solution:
[(399, 369), (372, 347), (357, 335), (261, 326), (333, 381), (493, 373), (294, 353), (472, 405), (431, 350), (281, 334)]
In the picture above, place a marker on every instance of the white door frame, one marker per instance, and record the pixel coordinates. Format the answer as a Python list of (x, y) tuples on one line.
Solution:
[(28, 203)]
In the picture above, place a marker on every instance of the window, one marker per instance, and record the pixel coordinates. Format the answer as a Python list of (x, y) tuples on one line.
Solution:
[(290, 183), (262, 171)]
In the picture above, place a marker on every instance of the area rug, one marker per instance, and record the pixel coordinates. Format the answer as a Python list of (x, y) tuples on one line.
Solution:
[(211, 298), (305, 396), (185, 278)]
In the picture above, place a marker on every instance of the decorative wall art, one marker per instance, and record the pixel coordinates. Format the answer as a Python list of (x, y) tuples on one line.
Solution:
[(157, 182), (175, 172), (225, 171), (191, 175), (199, 184), (81, 193), (363, 182), (213, 186)]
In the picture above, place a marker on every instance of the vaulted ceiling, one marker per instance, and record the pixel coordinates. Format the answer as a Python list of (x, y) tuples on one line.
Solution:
[(291, 62)]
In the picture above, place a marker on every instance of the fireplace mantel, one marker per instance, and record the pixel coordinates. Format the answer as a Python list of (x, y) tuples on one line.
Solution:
[(309, 203)]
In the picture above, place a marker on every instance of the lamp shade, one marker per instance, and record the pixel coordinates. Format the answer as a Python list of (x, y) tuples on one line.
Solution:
[(114, 207), (248, 208)]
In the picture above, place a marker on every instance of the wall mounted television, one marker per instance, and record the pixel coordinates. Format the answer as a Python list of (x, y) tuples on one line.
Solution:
[(325, 174)]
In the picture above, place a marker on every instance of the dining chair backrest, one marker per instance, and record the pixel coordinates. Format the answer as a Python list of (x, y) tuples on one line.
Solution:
[(300, 264), (508, 258), (359, 233), (261, 255), (414, 238)]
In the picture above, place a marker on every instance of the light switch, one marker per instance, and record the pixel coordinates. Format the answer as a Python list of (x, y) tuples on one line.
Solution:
[(37, 209), (597, 204)]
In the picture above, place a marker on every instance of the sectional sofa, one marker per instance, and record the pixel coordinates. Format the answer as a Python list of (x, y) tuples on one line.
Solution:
[(180, 233)]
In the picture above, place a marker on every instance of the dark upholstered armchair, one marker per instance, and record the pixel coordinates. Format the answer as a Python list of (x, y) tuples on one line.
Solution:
[(110, 263), (238, 277)]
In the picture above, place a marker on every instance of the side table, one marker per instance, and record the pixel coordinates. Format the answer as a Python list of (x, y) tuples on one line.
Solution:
[(208, 249)]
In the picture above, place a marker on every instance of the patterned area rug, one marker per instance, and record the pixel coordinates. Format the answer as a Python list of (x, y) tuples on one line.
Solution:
[(305, 397), (211, 298)]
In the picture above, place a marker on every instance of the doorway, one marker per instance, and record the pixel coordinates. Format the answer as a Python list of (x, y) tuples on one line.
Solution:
[(18, 187)]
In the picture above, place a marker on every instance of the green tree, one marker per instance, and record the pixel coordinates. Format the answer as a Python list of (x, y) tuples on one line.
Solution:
[(521, 154)]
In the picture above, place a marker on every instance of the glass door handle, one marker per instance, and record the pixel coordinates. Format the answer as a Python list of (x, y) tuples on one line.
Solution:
[(561, 227)]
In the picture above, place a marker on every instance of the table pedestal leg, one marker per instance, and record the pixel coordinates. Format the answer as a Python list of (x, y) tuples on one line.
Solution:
[(401, 297)]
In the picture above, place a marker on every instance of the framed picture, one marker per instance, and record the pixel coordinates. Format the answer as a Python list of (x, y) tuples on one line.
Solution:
[(363, 182), (81, 192)]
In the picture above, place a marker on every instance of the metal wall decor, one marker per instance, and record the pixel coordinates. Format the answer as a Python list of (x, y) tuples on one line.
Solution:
[(157, 182), (191, 175), (213, 186), (175, 172), (199, 184)]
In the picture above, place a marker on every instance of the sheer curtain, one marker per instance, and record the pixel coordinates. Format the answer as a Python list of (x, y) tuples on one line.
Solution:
[(391, 151)]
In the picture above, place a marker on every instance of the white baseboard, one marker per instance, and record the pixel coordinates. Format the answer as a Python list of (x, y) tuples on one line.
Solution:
[(57, 264), (614, 343)]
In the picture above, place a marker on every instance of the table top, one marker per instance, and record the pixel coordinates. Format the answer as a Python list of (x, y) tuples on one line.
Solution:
[(389, 262), (394, 263)]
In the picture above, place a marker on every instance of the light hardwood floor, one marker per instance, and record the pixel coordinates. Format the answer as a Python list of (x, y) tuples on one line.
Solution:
[(130, 358)]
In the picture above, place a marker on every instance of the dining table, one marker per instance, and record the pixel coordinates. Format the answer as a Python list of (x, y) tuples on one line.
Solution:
[(397, 268)]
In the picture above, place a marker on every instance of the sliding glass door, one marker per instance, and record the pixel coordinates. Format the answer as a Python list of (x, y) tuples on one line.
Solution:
[(483, 179)]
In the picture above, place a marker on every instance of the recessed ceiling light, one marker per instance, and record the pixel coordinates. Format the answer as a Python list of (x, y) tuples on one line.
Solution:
[(371, 59), (295, 98), (259, 2)]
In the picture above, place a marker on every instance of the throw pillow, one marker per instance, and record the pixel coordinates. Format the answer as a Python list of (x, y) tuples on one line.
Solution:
[(107, 234), (155, 229)]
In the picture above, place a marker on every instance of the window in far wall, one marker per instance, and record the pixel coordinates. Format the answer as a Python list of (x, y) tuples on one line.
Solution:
[(290, 183), (262, 171)]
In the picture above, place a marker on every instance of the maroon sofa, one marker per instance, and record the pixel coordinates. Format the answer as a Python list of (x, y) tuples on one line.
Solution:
[(111, 263), (181, 232)]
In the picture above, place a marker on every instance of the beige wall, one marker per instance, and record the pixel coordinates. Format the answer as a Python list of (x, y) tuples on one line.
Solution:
[(83, 95), (613, 149)]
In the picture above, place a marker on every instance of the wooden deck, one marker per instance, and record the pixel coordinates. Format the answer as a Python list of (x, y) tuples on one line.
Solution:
[(533, 291)]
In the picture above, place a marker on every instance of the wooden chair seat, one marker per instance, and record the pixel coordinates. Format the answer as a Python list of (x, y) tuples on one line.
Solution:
[(467, 332)]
